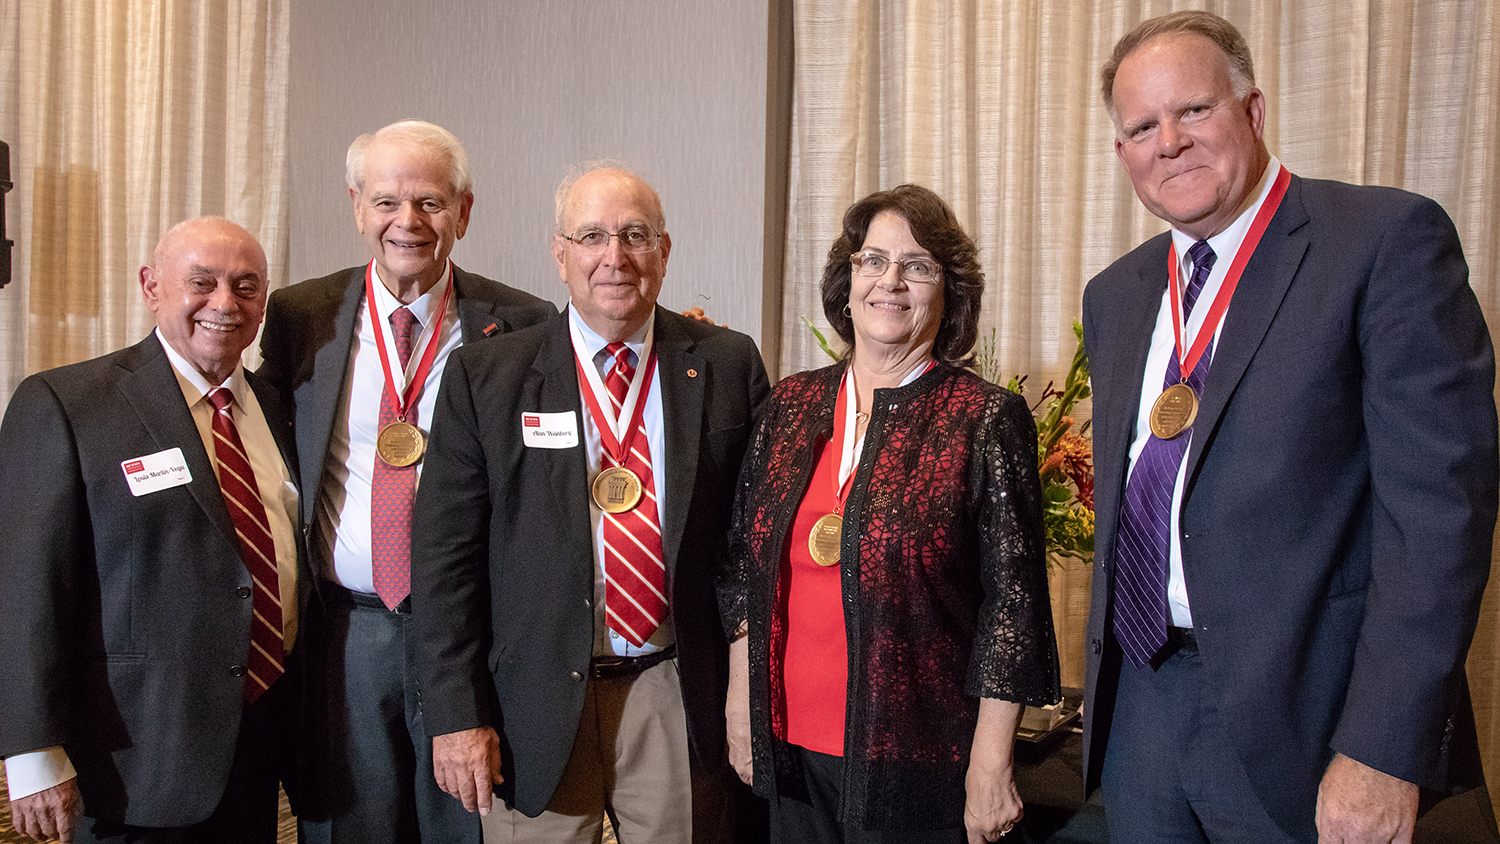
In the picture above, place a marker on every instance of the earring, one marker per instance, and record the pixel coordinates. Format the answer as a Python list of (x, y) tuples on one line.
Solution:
[(847, 312)]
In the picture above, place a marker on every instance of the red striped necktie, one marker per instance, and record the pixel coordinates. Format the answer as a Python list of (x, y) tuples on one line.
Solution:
[(242, 497), (634, 574)]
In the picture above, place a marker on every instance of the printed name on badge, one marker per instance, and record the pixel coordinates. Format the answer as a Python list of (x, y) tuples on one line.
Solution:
[(156, 472), (549, 430)]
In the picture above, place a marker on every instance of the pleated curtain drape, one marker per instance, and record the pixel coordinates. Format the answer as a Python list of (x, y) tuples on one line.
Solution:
[(995, 105), (123, 119)]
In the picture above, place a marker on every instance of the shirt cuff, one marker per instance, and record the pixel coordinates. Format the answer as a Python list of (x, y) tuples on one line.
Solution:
[(38, 770)]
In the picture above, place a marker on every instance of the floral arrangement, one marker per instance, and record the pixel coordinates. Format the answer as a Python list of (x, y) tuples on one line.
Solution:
[(1065, 457)]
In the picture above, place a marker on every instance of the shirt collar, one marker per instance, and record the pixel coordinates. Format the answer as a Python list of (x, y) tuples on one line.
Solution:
[(386, 303), (194, 386), (1227, 242), (593, 344)]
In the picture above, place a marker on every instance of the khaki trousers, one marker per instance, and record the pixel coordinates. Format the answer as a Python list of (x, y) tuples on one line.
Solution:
[(631, 761)]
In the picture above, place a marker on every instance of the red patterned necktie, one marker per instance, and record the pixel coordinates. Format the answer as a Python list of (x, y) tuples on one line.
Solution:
[(242, 497), (392, 488), (634, 575)]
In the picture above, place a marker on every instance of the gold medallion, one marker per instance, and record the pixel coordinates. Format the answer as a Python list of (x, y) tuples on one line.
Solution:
[(617, 490), (1174, 411), (400, 444), (823, 541)]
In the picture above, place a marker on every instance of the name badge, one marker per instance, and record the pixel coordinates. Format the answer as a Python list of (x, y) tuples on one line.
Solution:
[(549, 430), (156, 472)]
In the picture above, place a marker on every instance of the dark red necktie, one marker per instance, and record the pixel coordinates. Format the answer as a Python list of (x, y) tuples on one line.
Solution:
[(257, 550), (392, 488), (634, 574)]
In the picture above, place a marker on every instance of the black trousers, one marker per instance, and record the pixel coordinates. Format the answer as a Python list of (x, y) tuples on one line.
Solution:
[(816, 822), (247, 813)]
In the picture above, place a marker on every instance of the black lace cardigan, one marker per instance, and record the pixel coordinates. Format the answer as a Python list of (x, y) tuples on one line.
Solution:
[(946, 597)]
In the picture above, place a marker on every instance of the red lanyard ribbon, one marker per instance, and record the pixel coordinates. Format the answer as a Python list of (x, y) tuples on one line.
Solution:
[(843, 430), (1226, 290), (617, 448), (404, 398)]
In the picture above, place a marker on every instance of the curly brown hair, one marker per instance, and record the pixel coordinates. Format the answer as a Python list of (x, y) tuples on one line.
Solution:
[(937, 230)]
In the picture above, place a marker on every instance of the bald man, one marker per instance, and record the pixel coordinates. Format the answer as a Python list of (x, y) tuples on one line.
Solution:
[(582, 699), (150, 570)]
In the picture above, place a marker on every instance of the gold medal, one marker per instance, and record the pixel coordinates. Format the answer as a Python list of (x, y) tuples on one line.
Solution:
[(823, 541), (400, 444), (1174, 411), (617, 490)]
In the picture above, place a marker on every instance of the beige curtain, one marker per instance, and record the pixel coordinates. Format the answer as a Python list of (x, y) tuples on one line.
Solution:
[(123, 119), (995, 105)]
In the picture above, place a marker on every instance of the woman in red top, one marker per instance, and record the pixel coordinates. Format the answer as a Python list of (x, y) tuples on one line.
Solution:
[(886, 590)]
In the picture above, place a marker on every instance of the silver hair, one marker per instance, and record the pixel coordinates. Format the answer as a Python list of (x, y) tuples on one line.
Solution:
[(413, 134), (578, 171)]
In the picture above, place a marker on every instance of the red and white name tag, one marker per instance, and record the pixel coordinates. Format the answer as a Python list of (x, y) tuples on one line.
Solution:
[(156, 472), (549, 430)]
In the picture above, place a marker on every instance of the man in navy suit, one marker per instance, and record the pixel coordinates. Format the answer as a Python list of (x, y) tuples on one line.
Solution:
[(360, 353), (582, 474), (1295, 441), (150, 564)]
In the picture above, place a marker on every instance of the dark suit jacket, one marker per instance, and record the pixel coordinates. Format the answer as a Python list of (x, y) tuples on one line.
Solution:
[(503, 558), (306, 343), (1340, 496), (124, 613)]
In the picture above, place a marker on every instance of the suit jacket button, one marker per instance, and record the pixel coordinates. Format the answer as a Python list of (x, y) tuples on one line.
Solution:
[(588, 602), (1096, 646), (577, 675), (243, 591), (236, 670)]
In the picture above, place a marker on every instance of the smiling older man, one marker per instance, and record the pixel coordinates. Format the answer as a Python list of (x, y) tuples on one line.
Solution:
[(150, 563), (1296, 466), (361, 354)]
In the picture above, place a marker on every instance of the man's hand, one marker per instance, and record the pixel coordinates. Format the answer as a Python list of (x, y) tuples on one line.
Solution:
[(52, 813), (466, 764), (1360, 805)]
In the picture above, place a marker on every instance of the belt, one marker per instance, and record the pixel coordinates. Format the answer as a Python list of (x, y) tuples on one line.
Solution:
[(360, 600), (615, 667), (1181, 639)]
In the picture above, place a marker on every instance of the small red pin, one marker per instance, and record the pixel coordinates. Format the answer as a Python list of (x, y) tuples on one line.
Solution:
[(692, 373)]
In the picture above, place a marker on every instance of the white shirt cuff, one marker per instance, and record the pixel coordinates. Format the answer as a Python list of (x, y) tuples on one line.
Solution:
[(38, 770)]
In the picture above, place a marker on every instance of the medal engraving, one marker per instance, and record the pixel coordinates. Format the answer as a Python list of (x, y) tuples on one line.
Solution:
[(617, 490), (823, 541), (1174, 411), (400, 444)]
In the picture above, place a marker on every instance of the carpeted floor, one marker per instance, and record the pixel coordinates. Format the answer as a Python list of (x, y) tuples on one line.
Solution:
[(287, 835)]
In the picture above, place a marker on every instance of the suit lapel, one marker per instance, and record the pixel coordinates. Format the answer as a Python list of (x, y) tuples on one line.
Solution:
[(276, 420), (568, 467), (150, 386), (475, 313), (682, 412), (1267, 276), (330, 372)]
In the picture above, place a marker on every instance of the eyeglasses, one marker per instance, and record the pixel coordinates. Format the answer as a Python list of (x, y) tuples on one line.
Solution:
[(914, 270), (632, 239)]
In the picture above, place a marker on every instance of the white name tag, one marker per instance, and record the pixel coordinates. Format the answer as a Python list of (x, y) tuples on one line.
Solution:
[(549, 430), (156, 472)]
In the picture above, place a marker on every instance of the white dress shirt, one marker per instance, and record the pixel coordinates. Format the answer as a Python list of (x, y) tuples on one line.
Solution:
[(1226, 245), (28, 773), (606, 641), (343, 510)]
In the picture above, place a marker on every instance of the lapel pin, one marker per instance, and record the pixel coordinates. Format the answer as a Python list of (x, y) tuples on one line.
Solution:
[(491, 331), (692, 373)]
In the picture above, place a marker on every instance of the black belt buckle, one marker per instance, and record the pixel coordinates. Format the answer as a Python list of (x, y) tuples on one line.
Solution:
[(615, 667)]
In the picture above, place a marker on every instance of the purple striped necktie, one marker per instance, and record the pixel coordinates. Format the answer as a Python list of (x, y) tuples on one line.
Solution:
[(1143, 545)]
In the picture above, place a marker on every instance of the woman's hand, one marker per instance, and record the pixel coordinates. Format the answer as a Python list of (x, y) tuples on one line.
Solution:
[(737, 710), (992, 806)]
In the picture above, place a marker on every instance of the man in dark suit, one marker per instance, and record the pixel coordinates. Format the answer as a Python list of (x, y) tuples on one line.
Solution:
[(581, 481), (150, 563), (1295, 442), (361, 353)]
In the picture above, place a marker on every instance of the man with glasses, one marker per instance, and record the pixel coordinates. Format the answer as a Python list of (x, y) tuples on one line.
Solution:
[(361, 353), (577, 504)]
